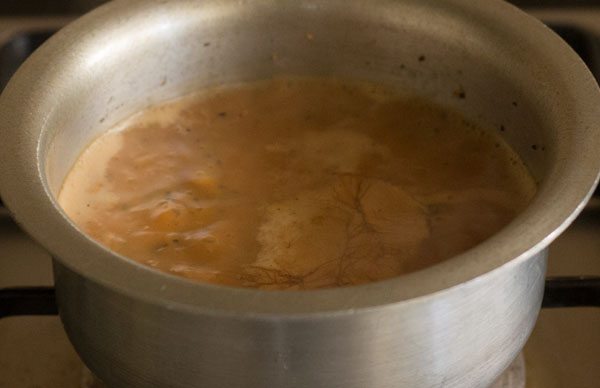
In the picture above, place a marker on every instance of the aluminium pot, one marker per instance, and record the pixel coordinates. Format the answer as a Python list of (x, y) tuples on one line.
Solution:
[(456, 324)]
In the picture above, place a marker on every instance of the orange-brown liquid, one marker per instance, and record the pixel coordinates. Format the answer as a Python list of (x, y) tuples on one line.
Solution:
[(295, 183)]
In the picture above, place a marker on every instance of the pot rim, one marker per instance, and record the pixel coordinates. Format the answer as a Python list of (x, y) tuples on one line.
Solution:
[(26, 193)]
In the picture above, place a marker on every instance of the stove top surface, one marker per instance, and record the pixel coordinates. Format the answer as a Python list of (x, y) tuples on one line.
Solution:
[(563, 351)]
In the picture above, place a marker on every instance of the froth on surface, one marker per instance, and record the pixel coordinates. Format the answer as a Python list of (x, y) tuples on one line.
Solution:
[(295, 183)]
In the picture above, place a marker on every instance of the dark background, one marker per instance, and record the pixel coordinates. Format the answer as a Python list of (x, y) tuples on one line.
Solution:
[(57, 7)]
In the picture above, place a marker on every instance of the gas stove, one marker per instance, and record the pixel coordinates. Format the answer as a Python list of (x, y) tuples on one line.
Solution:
[(563, 351)]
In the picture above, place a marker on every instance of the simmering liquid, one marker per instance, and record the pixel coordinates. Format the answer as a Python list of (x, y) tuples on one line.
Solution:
[(295, 183)]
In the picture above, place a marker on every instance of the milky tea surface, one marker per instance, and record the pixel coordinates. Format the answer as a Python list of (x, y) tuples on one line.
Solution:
[(295, 183)]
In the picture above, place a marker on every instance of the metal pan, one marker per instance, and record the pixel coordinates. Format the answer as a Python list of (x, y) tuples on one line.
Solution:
[(456, 324)]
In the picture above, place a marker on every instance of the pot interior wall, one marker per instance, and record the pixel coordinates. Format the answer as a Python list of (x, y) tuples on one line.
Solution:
[(422, 48)]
